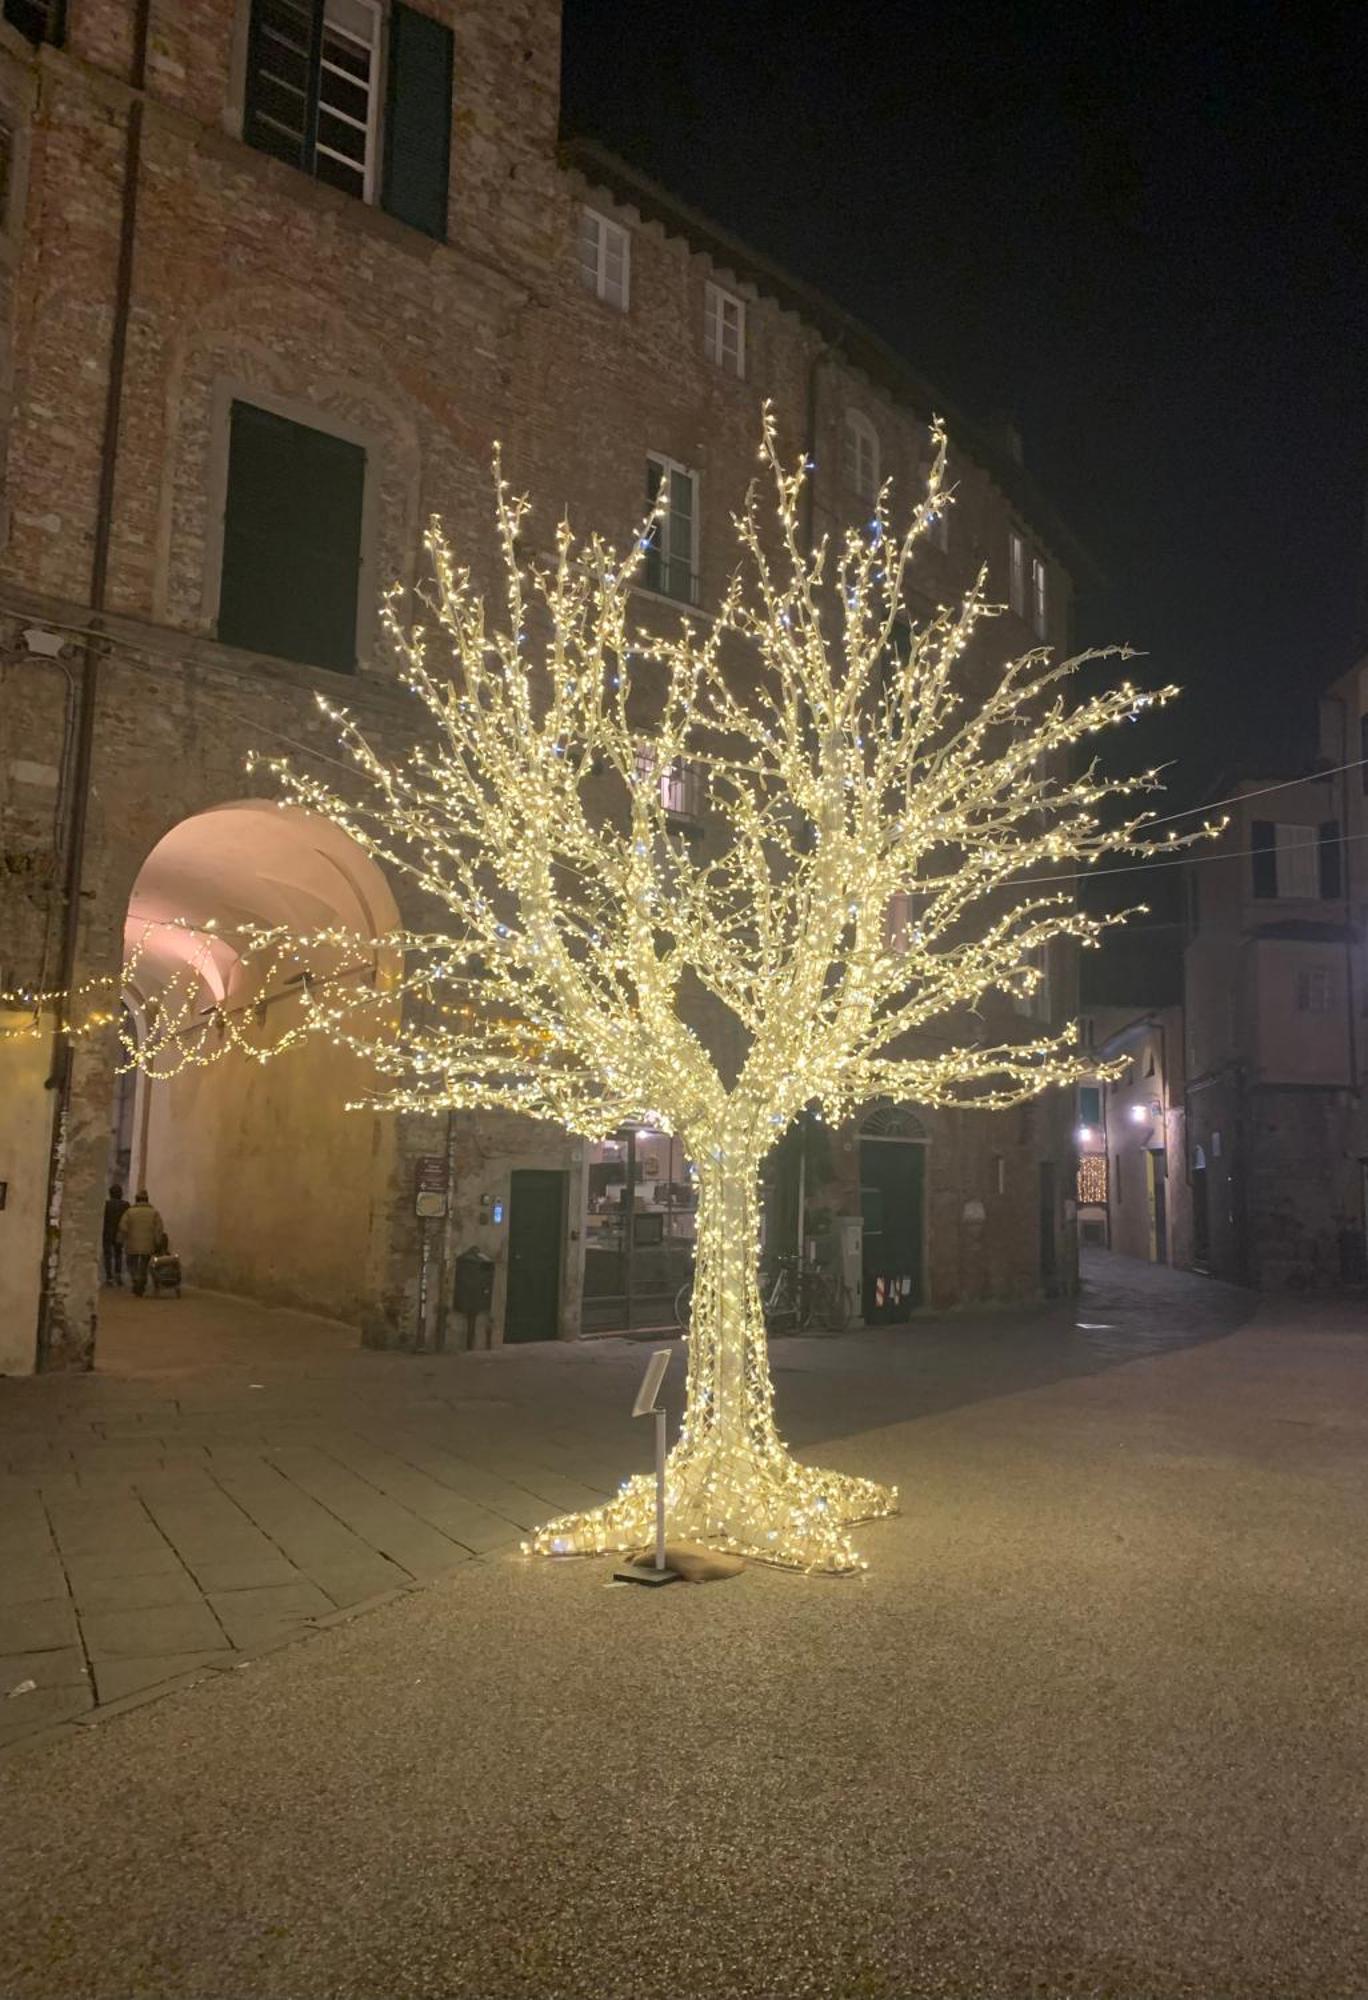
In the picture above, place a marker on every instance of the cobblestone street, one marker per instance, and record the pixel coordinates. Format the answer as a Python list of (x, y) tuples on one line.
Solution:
[(1093, 1724), (232, 1475)]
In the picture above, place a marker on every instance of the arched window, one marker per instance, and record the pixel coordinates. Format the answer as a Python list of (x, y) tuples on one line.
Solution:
[(887, 1120), (861, 455)]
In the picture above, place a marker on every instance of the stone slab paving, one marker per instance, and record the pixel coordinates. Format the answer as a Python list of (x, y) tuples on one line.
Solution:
[(233, 1474), (1094, 1724)]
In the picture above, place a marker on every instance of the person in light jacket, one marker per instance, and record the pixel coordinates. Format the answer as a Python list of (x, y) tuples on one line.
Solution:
[(140, 1232)]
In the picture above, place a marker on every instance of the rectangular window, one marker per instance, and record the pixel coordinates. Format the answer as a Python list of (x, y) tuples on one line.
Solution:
[(724, 330), (1313, 990), (1040, 605), (1016, 579), (681, 790), (1286, 860), (38, 20), (671, 565), (605, 258), (1089, 1104), (291, 540), (313, 100)]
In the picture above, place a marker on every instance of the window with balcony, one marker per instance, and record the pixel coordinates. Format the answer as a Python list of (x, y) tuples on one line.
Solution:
[(291, 540), (313, 99), (605, 258), (671, 565), (724, 329), (860, 455)]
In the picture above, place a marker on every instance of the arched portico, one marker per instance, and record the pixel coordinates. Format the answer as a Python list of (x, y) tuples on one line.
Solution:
[(268, 1185)]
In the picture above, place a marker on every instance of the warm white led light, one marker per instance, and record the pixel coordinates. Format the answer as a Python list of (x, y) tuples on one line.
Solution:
[(584, 946)]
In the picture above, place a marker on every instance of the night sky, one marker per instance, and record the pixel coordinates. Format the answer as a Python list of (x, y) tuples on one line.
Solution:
[(1146, 239)]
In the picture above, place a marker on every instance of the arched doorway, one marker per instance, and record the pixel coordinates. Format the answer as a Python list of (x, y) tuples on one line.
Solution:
[(893, 1147), (269, 1187)]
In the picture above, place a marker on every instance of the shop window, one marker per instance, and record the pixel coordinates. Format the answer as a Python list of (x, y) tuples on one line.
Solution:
[(640, 1225), (724, 330), (671, 565), (291, 540), (605, 258), (38, 20), (313, 100), (860, 455)]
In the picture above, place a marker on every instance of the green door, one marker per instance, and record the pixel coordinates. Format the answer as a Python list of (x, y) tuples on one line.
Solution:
[(536, 1211)]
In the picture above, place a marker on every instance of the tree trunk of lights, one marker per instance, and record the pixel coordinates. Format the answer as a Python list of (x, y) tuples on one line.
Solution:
[(729, 1479)]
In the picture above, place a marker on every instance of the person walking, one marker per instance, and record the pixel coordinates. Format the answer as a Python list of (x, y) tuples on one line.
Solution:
[(115, 1210), (140, 1232)]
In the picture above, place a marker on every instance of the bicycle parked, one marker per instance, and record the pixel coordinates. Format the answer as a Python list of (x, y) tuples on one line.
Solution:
[(796, 1297)]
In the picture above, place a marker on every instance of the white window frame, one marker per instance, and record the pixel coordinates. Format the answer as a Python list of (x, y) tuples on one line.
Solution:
[(1040, 597), (371, 127), (724, 313), (599, 228), (860, 455), (1016, 571), (669, 554)]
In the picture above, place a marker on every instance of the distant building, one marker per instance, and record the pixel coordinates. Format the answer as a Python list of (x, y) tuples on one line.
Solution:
[(1273, 963), (1133, 1189)]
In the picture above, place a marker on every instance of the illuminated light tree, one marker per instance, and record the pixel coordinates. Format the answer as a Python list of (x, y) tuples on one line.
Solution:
[(844, 766)]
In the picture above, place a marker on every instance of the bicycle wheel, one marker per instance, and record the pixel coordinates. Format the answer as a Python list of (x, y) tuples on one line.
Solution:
[(683, 1304)]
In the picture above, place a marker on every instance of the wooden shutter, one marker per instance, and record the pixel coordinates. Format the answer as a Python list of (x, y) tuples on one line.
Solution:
[(1328, 855), (1263, 840), (291, 540), (418, 121), (284, 50), (39, 20)]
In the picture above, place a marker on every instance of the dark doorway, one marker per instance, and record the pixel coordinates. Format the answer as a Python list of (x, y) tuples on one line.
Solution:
[(1159, 1173), (1201, 1214), (892, 1193), (536, 1212), (1049, 1239)]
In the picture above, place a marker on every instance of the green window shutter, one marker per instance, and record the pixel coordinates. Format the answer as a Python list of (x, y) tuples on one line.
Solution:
[(291, 540), (284, 50), (418, 121), (1264, 857)]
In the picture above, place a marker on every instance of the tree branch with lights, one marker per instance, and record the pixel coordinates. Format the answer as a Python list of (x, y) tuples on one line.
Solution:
[(877, 847)]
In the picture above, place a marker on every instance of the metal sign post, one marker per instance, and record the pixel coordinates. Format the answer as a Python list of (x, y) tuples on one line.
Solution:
[(646, 1406)]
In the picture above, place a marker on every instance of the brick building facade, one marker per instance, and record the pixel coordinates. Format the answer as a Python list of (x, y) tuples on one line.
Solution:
[(274, 276)]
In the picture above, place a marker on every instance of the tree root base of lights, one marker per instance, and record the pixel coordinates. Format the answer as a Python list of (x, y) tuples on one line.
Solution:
[(758, 1503)]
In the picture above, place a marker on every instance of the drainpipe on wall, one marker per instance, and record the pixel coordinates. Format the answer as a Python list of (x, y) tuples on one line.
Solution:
[(53, 1345)]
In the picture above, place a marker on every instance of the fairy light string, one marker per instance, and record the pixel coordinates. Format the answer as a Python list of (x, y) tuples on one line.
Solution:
[(837, 757)]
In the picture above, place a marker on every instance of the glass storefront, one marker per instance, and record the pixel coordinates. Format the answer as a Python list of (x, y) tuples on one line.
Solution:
[(640, 1224)]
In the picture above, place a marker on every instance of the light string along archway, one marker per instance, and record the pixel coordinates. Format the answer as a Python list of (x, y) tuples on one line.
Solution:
[(586, 944)]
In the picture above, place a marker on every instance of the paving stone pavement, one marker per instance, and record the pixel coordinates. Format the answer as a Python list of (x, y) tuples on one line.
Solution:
[(233, 1474)]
